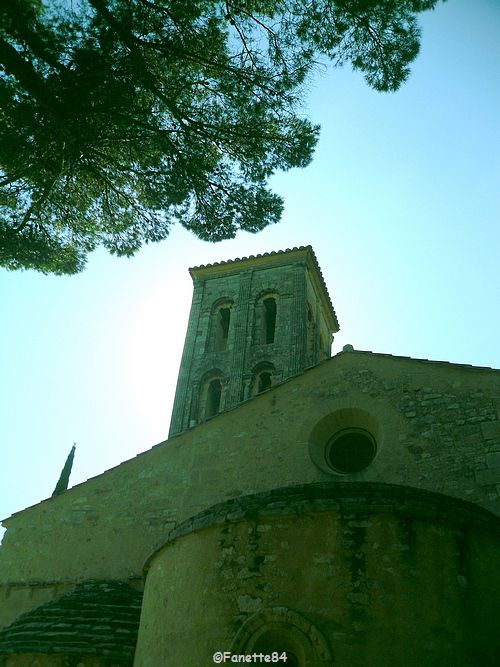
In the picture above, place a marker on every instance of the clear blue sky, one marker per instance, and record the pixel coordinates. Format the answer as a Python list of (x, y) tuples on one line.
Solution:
[(401, 204)]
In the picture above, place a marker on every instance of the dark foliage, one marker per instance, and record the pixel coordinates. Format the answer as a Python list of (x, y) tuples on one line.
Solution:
[(119, 118)]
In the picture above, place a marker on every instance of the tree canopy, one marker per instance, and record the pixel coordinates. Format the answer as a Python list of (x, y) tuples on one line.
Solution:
[(119, 118)]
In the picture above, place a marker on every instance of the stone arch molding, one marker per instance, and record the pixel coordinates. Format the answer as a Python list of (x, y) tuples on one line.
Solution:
[(308, 642)]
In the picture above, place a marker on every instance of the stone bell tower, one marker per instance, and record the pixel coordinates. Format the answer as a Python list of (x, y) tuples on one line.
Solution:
[(254, 322)]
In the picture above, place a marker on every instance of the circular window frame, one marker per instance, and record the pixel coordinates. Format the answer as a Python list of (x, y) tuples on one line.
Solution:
[(340, 435), (337, 422)]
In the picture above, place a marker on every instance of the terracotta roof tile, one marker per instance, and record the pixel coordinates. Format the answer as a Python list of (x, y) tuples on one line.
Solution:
[(244, 259), (97, 618)]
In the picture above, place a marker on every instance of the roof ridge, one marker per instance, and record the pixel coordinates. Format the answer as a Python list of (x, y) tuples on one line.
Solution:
[(244, 259), (404, 356)]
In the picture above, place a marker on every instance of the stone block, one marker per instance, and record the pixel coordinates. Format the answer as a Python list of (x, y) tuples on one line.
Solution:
[(493, 460), (489, 476), (490, 430)]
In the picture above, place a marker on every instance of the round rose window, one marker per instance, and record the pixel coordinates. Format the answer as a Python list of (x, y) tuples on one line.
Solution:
[(350, 450)]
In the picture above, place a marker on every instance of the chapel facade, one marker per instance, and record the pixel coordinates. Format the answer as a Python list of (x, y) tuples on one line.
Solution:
[(338, 510)]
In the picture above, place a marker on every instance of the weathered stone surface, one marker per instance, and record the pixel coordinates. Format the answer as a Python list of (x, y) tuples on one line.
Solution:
[(493, 460), (372, 569), (257, 446), (491, 430), (488, 476), (352, 500)]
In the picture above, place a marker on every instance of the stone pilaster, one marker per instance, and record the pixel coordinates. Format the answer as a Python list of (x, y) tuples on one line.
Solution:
[(180, 412), (298, 321), (241, 326)]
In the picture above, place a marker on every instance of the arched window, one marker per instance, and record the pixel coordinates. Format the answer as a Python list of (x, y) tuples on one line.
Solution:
[(219, 326), (223, 318), (266, 309), (262, 377), (211, 395), (269, 319), (214, 393), (279, 642), (283, 630), (264, 381)]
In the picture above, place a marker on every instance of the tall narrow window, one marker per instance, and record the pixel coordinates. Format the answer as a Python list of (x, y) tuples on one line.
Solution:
[(220, 325), (213, 398), (222, 329), (269, 319)]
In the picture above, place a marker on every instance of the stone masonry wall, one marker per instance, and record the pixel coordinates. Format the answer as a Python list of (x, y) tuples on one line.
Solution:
[(438, 429), (350, 560)]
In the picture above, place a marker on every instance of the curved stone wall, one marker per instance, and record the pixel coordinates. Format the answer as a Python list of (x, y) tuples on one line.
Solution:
[(348, 574)]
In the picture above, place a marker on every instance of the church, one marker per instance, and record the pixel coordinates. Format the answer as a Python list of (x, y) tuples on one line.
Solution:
[(306, 510)]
